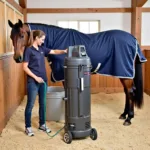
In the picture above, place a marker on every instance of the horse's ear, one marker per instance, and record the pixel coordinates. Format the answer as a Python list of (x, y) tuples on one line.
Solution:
[(10, 24), (20, 23)]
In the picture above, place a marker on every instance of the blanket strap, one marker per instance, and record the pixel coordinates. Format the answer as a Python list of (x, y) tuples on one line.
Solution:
[(97, 68)]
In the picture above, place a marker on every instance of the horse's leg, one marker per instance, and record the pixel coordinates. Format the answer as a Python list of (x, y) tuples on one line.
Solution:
[(129, 106), (123, 115), (63, 83), (130, 111)]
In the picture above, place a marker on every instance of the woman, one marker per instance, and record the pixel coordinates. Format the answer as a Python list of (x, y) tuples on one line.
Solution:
[(34, 66)]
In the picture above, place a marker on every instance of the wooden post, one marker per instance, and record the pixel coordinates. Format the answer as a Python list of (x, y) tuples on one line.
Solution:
[(25, 14), (137, 18), (136, 22), (23, 3)]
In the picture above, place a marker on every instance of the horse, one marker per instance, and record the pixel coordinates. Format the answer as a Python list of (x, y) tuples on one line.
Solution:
[(113, 52)]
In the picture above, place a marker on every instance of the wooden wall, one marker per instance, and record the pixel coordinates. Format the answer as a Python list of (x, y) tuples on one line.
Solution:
[(147, 71), (11, 74)]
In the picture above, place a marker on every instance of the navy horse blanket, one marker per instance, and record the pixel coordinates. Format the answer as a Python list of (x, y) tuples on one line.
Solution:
[(112, 52)]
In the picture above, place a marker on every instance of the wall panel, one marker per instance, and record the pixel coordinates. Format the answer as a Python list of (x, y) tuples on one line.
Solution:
[(2, 28), (147, 72), (11, 88), (9, 16)]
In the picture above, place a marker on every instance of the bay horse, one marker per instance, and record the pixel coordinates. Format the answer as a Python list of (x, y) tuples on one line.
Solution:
[(113, 52)]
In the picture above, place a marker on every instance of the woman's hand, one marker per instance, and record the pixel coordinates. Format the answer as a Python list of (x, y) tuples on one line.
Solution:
[(57, 51), (39, 80), (66, 50)]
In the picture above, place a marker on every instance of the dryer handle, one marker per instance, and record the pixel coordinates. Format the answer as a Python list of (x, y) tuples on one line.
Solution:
[(82, 84)]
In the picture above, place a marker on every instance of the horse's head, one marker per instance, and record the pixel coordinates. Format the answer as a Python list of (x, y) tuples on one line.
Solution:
[(19, 37)]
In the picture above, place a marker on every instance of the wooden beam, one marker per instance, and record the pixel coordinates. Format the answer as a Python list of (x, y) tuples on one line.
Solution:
[(23, 3), (83, 10), (140, 3), (146, 9), (15, 5), (79, 10)]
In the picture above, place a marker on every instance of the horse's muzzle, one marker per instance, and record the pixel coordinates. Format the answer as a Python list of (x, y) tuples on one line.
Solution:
[(19, 59)]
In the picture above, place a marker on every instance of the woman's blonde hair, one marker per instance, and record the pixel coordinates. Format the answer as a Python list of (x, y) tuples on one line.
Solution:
[(33, 35)]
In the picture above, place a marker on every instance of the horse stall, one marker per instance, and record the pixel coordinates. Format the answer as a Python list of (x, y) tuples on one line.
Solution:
[(12, 87), (112, 106)]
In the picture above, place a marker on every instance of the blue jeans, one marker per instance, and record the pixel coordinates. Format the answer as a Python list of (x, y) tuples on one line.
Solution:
[(34, 88)]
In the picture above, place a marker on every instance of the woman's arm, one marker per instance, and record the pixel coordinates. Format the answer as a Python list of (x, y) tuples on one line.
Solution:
[(29, 72), (56, 51)]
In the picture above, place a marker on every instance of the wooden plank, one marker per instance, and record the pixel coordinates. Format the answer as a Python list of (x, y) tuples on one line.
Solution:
[(15, 5), (110, 84), (1, 98), (18, 16), (2, 29), (147, 53), (147, 91), (94, 83), (109, 90), (147, 72), (79, 10), (9, 16), (102, 81), (143, 71), (117, 83)]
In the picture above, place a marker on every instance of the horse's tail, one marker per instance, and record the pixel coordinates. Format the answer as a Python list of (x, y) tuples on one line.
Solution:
[(138, 83)]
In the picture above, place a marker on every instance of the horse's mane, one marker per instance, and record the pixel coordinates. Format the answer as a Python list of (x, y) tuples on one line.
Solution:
[(53, 27), (46, 25)]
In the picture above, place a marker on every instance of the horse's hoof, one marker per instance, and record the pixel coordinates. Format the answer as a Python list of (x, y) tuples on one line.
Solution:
[(127, 123), (122, 117)]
